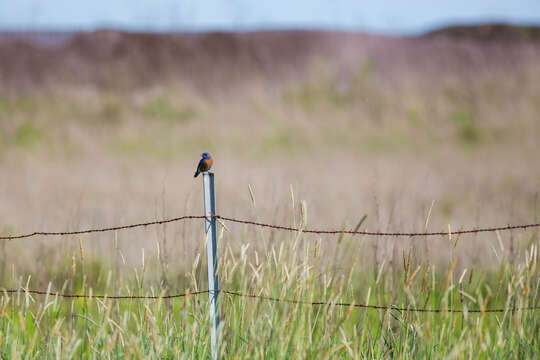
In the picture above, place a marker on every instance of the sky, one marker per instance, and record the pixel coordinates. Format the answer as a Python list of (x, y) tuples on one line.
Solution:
[(385, 17)]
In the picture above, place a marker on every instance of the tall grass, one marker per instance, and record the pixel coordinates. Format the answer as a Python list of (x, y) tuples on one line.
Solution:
[(292, 267)]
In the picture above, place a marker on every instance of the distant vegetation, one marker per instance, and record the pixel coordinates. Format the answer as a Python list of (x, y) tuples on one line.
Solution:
[(118, 60), (489, 32)]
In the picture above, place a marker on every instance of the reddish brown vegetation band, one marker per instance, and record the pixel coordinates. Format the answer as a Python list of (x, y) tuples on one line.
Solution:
[(112, 59)]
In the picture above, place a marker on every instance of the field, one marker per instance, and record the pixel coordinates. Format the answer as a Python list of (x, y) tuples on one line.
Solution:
[(311, 130)]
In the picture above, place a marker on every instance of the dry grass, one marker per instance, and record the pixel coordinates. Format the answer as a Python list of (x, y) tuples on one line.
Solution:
[(85, 157)]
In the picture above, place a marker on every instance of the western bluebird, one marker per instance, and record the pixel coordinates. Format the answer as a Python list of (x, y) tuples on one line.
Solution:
[(204, 164)]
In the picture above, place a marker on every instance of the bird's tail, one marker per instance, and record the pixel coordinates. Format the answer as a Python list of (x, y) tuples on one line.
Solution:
[(196, 173)]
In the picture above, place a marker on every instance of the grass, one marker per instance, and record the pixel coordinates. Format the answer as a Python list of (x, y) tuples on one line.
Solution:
[(160, 108), (287, 266), (51, 327), (28, 135), (469, 132)]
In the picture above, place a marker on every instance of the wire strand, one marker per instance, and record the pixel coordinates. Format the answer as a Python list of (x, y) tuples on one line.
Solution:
[(377, 307), (97, 230), (266, 298), (113, 297), (276, 227), (377, 233)]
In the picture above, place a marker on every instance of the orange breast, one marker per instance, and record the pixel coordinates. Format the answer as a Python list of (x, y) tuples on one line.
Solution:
[(208, 163)]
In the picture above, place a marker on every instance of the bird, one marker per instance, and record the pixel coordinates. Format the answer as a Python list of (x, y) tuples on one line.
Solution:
[(205, 163)]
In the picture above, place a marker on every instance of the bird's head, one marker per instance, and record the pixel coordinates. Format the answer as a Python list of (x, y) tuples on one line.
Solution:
[(205, 155)]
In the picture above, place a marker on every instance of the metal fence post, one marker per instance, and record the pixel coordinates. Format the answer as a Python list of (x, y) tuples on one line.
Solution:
[(211, 256)]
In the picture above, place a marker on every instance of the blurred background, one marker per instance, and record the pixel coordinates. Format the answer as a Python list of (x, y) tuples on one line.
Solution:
[(346, 108)]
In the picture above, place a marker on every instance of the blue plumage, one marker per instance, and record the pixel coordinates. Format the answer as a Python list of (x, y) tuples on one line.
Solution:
[(205, 163)]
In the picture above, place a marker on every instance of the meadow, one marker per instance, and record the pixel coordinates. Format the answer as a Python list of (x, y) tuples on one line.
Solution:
[(442, 137)]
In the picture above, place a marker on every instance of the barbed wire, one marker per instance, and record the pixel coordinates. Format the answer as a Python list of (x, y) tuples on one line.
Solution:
[(267, 298), (378, 233), (97, 230), (276, 227), (378, 307), (113, 297)]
